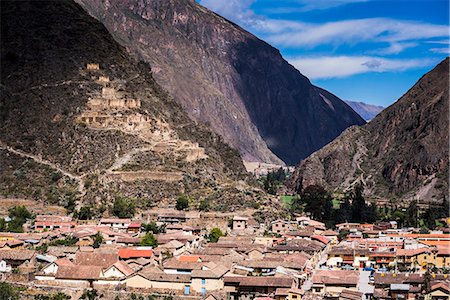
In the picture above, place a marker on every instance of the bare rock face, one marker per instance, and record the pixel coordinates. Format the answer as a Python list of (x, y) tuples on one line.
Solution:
[(225, 77), (80, 118), (401, 154)]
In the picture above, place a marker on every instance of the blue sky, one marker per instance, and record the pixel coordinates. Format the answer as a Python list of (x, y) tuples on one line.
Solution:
[(363, 50)]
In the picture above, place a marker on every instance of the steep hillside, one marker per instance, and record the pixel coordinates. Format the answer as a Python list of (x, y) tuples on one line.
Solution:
[(366, 111), (401, 154), (79, 118), (228, 78)]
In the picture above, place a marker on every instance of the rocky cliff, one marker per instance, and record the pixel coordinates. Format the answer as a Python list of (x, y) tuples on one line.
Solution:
[(403, 153), (80, 118), (225, 77)]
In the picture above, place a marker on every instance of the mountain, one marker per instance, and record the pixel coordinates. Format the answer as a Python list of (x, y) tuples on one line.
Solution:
[(226, 77), (401, 154), (82, 119), (366, 111)]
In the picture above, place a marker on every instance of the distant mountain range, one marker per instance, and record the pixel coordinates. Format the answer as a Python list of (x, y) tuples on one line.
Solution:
[(366, 111), (227, 78), (402, 154)]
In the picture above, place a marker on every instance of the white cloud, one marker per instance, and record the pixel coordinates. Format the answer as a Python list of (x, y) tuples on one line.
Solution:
[(398, 35), (440, 50), (343, 66), (308, 5), (236, 10), (356, 31), (394, 48)]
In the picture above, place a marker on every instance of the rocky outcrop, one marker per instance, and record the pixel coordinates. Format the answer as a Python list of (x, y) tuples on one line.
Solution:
[(403, 153), (227, 78), (80, 118)]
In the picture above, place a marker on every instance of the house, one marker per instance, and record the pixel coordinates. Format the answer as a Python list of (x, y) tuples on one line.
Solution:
[(96, 258), (350, 295), (382, 259), (439, 291), (388, 285), (268, 241), (134, 227), (255, 253), (175, 266), (255, 285), (281, 226), (340, 256), (50, 222), (62, 251), (77, 275), (174, 247), (331, 283), (175, 217), (135, 253), (16, 257), (116, 223), (239, 223), (154, 278), (208, 279), (347, 226), (306, 221), (413, 259), (49, 271), (114, 273)]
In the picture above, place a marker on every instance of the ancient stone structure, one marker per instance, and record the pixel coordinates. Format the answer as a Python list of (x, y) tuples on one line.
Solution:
[(93, 66)]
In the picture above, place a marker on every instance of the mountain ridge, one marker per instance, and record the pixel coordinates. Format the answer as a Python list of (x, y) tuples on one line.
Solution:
[(227, 78), (401, 154), (82, 119), (365, 110)]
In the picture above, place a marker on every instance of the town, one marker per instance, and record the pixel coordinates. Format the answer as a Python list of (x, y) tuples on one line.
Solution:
[(171, 255)]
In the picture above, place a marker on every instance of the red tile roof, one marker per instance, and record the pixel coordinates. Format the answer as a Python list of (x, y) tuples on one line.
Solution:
[(189, 258), (135, 253)]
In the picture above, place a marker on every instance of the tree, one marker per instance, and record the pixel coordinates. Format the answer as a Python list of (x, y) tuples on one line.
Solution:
[(182, 202), (3, 225), (85, 213), (358, 204), (123, 208), (412, 214), (19, 212), (57, 296), (16, 225), (317, 202), (214, 235), (204, 205), (98, 240), (149, 240), (273, 180), (154, 228), (8, 292), (89, 295), (344, 213), (19, 215)]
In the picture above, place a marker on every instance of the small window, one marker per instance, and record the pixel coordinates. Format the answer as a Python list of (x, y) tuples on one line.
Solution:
[(203, 281)]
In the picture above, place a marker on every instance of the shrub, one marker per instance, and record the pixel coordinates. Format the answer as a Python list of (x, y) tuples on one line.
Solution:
[(123, 208), (98, 240), (182, 202), (214, 235), (149, 240), (8, 292), (85, 213)]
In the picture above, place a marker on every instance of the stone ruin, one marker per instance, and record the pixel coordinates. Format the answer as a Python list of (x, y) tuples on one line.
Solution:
[(110, 110), (93, 66)]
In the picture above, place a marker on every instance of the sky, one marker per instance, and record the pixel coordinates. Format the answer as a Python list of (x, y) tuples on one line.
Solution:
[(361, 50)]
